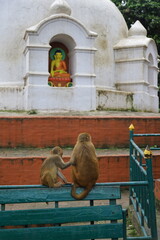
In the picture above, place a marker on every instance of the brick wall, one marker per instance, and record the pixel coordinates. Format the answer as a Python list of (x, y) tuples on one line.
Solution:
[(157, 190), (50, 131), (36, 131), (25, 171)]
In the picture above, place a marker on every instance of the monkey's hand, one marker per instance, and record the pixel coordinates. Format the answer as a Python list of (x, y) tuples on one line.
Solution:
[(63, 178), (72, 161)]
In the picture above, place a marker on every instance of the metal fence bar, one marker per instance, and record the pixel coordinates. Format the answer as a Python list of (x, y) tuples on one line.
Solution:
[(147, 135), (142, 198), (123, 184), (139, 238), (155, 148), (134, 145), (3, 206), (151, 199)]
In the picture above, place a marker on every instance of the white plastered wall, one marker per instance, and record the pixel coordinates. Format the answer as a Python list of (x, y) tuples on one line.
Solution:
[(136, 71)]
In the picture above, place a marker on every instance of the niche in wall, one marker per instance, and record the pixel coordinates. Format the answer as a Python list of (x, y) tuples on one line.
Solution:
[(58, 66)]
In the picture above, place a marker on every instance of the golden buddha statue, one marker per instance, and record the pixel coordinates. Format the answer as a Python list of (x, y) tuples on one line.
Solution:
[(58, 66)]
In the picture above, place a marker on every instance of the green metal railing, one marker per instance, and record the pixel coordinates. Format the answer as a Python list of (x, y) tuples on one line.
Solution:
[(142, 197)]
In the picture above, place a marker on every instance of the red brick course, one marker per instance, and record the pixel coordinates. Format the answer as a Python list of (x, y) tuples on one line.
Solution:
[(25, 171), (157, 189), (40, 131), (49, 131)]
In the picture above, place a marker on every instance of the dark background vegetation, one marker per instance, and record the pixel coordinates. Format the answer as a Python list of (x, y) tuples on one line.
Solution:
[(148, 13)]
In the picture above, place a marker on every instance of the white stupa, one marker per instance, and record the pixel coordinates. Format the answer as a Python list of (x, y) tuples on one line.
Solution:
[(111, 67)]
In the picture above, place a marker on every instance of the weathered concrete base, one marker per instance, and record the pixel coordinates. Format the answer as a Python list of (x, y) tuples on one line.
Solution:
[(145, 102), (122, 100), (79, 98), (12, 97), (113, 99)]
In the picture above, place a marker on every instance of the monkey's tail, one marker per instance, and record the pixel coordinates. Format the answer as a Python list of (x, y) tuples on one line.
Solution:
[(82, 194)]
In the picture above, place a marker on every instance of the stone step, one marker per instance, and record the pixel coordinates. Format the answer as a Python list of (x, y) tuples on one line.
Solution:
[(29, 152), (22, 152), (77, 113)]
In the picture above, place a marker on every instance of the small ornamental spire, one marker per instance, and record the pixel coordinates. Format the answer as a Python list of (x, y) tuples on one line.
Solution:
[(137, 29), (147, 152), (131, 127), (60, 7)]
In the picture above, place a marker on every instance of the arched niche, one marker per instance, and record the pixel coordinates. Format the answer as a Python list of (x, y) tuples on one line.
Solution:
[(150, 70), (80, 44), (68, 31), (152, 75), (151, 55)]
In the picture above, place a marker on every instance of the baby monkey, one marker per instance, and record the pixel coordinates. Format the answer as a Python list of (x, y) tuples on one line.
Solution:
[(50, 169)]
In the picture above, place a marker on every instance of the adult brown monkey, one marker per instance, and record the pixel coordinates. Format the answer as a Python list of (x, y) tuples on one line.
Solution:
[(50, 168), (85, 167)]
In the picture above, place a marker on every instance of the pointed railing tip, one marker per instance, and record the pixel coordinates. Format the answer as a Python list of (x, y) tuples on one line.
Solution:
[(147, 152), (131, 127)]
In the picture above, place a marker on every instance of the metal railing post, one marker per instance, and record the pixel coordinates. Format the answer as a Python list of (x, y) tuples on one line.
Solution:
[(152, 207), (131, 133)]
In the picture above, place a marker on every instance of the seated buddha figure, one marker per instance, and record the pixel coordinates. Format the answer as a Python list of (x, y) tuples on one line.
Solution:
[(58, 66)]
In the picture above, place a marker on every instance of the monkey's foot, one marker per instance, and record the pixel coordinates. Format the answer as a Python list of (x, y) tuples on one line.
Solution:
[(58, 184)]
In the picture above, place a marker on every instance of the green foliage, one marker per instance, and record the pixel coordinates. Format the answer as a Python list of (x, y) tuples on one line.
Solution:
[(146, 11), (33, 111), (131, 230)]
